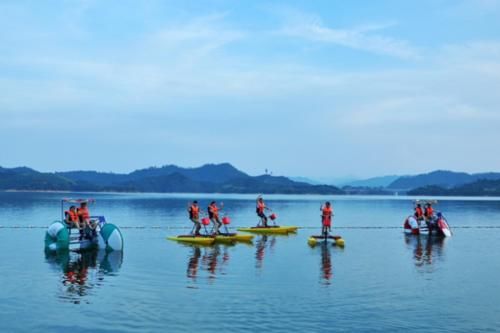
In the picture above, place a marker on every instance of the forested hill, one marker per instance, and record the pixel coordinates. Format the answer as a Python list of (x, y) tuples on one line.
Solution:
[(221, 178)]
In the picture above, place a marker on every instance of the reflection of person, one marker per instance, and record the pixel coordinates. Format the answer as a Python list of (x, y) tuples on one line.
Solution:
[(210, 261), (326, 218), (194, 216), (261, 245), (425, 248), (260, 210), (192, 270), (76, 273), (326, 263), (213, 214), (82, 271), (259, 254)]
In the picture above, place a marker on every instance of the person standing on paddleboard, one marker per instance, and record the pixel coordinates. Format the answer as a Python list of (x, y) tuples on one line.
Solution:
[(213, 214), (259, 209), (194, 216), (326, 217)]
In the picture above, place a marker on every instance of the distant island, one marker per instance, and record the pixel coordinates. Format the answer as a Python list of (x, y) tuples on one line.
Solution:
[(225, 178)]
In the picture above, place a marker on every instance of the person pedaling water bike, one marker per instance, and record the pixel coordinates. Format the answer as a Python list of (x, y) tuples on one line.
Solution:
[(73, 220), (260, 210), (419, 213), (194, 216), (326, 218), (428, 212), (213, 215), (86, 222)]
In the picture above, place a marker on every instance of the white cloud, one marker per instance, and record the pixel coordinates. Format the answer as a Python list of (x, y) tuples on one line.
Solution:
[(365, 38)]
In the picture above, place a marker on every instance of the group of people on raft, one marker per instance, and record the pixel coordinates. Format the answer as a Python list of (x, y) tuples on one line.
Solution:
[(260, 208), (426, 215), (79, 218)]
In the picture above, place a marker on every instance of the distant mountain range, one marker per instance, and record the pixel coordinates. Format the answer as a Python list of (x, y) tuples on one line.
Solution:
[(225, 178), (210, 178), (383, 181), (441, 178), (443, 182)]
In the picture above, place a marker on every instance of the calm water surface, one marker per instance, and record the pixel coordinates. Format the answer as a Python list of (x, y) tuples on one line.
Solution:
[(381, 281)]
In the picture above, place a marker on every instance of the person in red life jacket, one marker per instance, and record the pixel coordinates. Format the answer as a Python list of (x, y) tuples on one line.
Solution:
[(194, 216), (213, 215), (72, 217), (428, 212), (326, 217), (260, 210), (419, 213)]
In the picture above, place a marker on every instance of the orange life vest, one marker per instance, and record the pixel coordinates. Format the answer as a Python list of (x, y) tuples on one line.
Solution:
[(73, 216), (194, 211), (429, 211), (84, 213), (213, 211), (418, 211), (327, 216), (260, 207)]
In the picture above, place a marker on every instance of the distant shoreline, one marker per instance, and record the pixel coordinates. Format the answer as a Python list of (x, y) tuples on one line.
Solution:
[(401, 196)]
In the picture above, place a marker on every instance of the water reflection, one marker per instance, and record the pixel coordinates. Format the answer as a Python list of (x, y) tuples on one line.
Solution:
[(82, 272), (263, 243), (426, 249), (212, 259), (326, 264)]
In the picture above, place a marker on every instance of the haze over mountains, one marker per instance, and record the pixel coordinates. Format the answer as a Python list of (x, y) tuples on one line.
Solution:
[(225, 178)]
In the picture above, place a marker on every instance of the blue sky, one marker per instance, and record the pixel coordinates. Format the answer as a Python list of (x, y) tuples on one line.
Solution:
[(310, 88)]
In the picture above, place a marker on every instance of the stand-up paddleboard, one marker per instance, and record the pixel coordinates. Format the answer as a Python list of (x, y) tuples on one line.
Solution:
[(270, 230), (203, 240), (335, 240)]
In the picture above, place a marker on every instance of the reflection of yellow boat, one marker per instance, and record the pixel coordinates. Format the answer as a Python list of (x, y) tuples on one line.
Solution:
[(203, 240), (335, 240), (270, 229), (233, 237)]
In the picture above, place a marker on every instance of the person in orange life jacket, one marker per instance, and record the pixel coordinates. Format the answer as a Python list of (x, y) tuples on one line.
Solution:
[(260, 210), (428, 212), (194, 216), (326, 217), (419, 214), (213, 215), (84, 215), (72, 217)]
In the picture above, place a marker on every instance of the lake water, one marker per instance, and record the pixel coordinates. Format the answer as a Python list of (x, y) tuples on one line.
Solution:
[(381, 281)]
